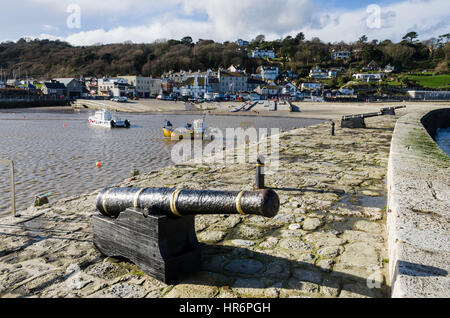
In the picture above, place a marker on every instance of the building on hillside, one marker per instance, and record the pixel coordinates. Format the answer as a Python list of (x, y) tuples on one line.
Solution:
[(430, 95), (372, 66), (253, 83), (262, 54), (289, 75), (312, 86), (268, 91), (389, 69), (317, 73), (268, 73), (243, 43), (196, 86), (288, 90), (340, 55), (369, 77), (236, 69), (54, 88), (115, 87), (231, 82), (146, 87), (74, 87)]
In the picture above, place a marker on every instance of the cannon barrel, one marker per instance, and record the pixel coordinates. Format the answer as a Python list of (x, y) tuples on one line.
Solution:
[(182, 202), (367, 115)]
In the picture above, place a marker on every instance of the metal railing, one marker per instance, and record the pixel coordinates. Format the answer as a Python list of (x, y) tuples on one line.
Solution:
[(10, 163)]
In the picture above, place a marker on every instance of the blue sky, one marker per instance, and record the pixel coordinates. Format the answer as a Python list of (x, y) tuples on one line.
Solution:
[(113, 21)]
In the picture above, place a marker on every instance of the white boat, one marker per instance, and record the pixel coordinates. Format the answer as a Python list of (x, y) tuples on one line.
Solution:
[(105, 118)]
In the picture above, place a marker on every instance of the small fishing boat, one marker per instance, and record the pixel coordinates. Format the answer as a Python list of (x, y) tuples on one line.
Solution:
[(197, 130), (105, 118)]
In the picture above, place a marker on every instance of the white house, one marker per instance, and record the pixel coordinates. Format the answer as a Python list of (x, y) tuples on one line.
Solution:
[(369, 77), (241, 42), (347, 91), (288, 89), (115, 87), (311, 86), (268, 73), (262, 54), (389, 68), (317, 73), (197, 86), (340, 55)]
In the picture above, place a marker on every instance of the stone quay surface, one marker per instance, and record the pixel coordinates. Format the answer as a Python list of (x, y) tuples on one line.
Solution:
[(328, 240)]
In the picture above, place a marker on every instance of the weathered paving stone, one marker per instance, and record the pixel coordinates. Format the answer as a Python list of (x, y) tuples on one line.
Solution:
[(360, 255), (329, 288), (330, 251), (250, 232), (312, 224), (325, 265), (370, 227), (121, 290), (307, 275), (244, 243), (11, 279), (307, 260), (324, 239), (270, 242), (295, 226), (295, 245), (292, 233), (300, 286), (277, 270), (211, 236), (249, 287), (244, 266), (358, 290), (192, 291), (358, 236), (283, 218)]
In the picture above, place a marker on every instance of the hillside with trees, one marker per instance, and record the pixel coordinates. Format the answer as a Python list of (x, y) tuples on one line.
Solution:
[(48, 59)]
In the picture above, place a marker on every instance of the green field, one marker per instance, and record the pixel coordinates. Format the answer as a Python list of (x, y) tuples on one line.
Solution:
[(435, 81)]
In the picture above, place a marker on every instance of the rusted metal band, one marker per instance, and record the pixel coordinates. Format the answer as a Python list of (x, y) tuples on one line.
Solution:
[(104, 201), (136, 198), (173, 202), (238, 203)]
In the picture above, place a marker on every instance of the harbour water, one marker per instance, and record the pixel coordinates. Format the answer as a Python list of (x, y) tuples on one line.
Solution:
[(443, 140), (56, 151)]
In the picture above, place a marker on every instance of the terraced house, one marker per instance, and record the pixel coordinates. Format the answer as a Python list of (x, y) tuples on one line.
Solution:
[(232, 82)]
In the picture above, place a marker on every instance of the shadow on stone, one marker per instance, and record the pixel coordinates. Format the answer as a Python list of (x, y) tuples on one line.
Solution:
[(418, 270), (241, 268)]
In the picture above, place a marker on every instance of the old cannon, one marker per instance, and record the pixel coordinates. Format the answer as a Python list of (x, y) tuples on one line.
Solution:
[(154, 228), (357, 121), (390, 110)]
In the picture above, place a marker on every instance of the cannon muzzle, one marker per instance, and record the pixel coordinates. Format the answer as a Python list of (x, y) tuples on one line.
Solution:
[(182, 202)]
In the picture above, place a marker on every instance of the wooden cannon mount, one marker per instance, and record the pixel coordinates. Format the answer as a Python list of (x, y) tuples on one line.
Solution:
[(357, 121), (155, 228)]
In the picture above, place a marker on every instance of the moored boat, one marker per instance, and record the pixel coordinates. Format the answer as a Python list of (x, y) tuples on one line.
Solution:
[(104, 118)]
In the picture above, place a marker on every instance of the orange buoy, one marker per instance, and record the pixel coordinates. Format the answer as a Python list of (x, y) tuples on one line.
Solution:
[(99, 164)]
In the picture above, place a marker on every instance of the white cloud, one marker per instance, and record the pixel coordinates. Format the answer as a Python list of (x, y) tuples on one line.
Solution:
[(232, 19)]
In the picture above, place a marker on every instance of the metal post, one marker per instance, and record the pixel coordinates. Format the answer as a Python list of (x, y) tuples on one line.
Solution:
[(332, 128), (260, 173), (12, 185)]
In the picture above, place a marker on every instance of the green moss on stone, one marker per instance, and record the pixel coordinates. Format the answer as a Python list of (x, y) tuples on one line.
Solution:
[(422, 142)]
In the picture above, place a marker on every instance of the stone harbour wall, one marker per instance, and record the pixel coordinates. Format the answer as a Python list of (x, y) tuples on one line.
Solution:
[(418, 221), (328, 240)]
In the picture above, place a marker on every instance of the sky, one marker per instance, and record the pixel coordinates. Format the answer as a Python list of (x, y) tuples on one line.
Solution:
[(87, 22)]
